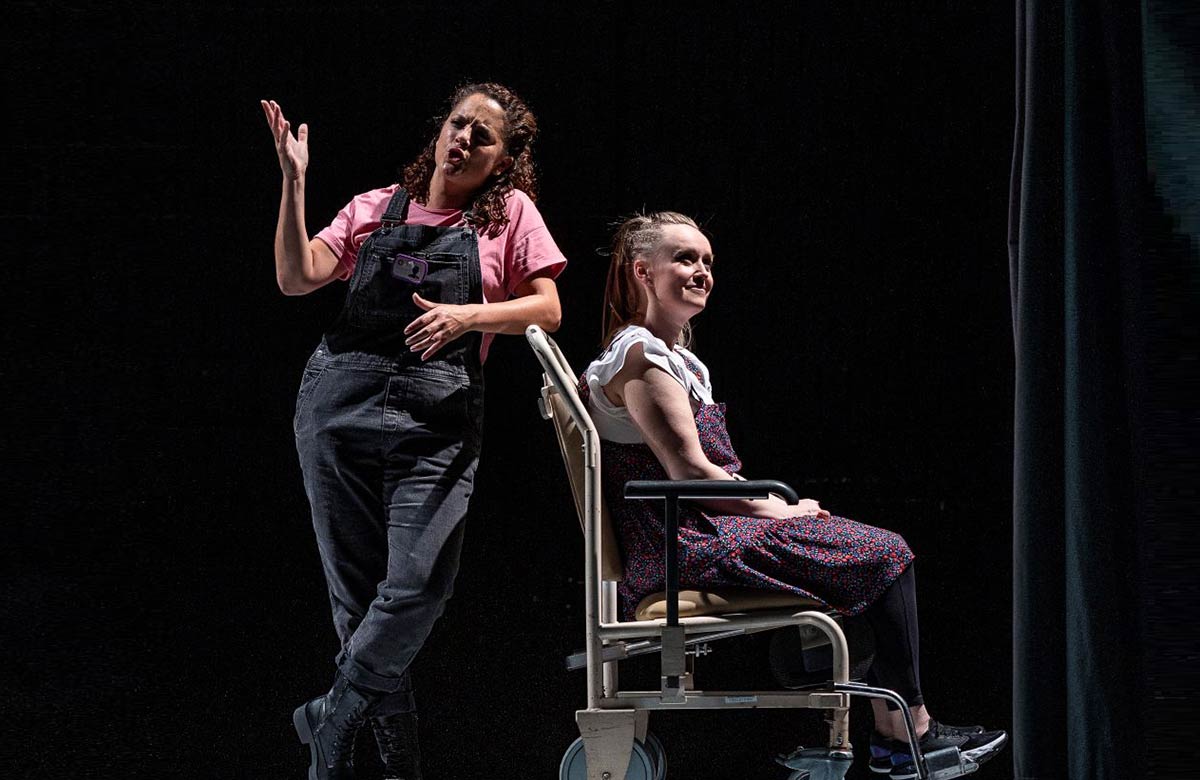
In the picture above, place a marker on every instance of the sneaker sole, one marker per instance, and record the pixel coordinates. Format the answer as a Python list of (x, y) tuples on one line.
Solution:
[(881, 770), (977, 755), (984, 752)]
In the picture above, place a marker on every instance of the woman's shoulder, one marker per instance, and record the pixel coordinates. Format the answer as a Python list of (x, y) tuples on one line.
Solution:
[(635, 339), (640, 341), (519, 198), (676, 360), (525, 222), (612, 358), (371, 203), (636, 334), (377, 195)]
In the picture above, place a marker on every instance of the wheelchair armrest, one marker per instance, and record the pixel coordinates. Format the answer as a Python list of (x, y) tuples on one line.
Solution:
[(710, 488), (671, 491)]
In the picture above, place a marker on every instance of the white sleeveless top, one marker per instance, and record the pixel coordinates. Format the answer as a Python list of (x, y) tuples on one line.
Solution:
[(613, 423)]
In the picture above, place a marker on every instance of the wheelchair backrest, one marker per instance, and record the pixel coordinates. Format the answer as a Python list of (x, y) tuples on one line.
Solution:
[(570, 430)]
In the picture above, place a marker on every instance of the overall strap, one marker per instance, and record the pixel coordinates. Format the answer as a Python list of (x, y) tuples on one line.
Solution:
[(397, 208)]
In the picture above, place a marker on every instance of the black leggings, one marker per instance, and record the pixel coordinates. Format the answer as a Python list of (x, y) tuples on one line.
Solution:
[(893, 620)]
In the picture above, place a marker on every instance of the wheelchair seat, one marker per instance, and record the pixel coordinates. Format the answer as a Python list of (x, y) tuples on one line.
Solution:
[(721, 600)]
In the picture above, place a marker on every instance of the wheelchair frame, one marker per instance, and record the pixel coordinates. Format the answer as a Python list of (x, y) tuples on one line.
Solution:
[(614, 724)]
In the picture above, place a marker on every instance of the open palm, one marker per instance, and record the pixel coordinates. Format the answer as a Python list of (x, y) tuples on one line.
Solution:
[(292, 149)]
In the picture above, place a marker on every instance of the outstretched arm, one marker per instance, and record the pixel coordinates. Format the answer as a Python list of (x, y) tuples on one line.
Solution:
[(662, 412), (301, 265)]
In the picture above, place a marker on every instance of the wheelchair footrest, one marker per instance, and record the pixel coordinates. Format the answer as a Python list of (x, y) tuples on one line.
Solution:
[(947, 763)]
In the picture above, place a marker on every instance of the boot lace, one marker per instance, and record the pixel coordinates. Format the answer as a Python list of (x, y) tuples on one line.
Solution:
[(397, 739), (342, 739)]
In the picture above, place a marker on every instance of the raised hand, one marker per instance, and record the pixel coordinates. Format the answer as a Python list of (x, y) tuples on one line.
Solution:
[(292, 149)]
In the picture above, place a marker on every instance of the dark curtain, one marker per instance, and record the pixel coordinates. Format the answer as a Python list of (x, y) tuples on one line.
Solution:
[(1103, 284)]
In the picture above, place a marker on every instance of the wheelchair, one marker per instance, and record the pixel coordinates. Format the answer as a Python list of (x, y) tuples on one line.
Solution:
[(679, 625)]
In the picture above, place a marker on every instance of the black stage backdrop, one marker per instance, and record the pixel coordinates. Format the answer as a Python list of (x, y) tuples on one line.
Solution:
[(164, 605)]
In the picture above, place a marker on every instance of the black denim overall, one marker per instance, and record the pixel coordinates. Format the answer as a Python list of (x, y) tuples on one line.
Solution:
[(388, 445)]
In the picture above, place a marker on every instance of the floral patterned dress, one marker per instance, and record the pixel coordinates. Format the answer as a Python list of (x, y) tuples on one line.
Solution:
[(839, 562)]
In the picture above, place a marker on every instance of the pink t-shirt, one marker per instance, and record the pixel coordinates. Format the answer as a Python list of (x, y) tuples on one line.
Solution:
[(522, 249)]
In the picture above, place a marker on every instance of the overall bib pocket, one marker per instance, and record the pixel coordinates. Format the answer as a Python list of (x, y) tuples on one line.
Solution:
[(387, 277)]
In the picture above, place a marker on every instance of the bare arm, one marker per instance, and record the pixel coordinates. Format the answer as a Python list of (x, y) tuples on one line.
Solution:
[(301, 265), (536, 304), (662, 412)]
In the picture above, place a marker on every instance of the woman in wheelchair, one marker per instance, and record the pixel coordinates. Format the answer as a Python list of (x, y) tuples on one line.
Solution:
[(651, 400)]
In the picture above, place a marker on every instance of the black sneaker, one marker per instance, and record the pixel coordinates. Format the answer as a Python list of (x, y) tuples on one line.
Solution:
[(973, 743), (881, 753), (882, 747)]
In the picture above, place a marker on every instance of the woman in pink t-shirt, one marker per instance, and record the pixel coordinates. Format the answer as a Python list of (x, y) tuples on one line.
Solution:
[(389, 411)]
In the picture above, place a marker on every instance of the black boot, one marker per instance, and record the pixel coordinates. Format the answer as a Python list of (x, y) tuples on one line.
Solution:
[(327, 724), (397, 738)]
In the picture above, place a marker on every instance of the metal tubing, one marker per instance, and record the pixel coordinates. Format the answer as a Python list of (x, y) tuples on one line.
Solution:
[(671, 533), (729, 700), (749, 622), (839, 722), (829, 627), (870, 692), (552, 362), (608, 607), (614, 653)]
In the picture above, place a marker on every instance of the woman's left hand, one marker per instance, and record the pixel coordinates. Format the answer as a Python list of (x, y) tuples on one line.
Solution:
[(807, 507), (438, 326)]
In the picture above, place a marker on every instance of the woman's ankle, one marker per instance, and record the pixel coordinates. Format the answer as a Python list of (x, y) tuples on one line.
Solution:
[(921, 720)]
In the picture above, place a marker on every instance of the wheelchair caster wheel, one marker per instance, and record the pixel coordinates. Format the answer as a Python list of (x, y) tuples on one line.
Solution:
[(657, 755), (574, 763), (817, 763)]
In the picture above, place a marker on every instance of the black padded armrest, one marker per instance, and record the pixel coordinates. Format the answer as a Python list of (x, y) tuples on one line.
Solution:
[(709, 488), (670, 491)]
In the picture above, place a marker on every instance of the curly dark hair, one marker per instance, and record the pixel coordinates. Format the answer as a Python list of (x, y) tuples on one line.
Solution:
[(486, 211)]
